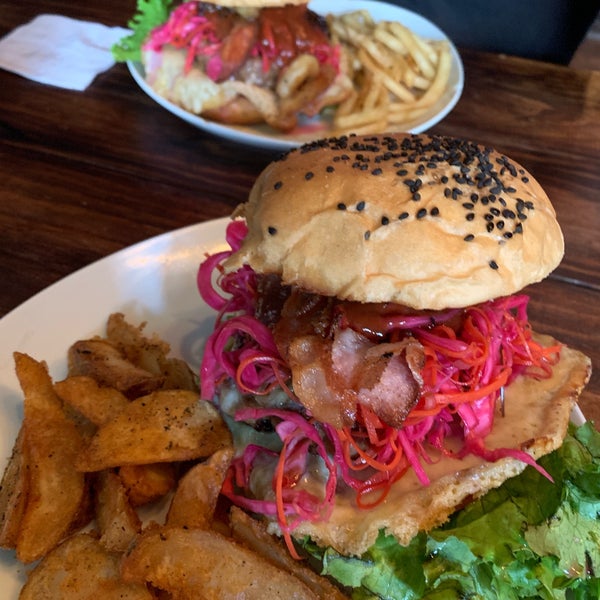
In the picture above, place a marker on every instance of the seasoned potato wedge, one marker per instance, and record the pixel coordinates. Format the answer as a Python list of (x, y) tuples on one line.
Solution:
[(165, 426), (194, 501), (99, 359), (13, 494), (98, 404), (149, 353), (116, 519), (200, 563), (254, 535), (57, 491), (147, 483), (81, 569)]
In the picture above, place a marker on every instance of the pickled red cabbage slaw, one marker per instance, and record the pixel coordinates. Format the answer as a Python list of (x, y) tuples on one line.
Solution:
[(464, 375), (187, 28)]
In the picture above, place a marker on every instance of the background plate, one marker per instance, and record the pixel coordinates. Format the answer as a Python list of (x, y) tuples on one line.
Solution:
[(263, 136)]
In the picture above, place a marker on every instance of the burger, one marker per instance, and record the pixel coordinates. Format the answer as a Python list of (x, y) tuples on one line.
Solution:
[(238, 61), (373, 358)]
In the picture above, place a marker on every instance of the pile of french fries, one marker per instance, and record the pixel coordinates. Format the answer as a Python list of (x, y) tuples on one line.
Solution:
[(113, 486), (397, 75)]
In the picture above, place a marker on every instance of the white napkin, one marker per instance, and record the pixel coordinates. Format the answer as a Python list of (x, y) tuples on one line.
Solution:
[(59, 51)]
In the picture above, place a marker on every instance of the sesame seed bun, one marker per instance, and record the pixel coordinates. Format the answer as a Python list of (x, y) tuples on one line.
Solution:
[(255, 3), (428, 222)]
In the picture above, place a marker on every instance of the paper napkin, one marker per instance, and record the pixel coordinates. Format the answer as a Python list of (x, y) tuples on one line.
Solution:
[(60, 51)]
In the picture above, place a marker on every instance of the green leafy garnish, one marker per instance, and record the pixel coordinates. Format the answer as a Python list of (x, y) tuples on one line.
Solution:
[(150, 14), (529, 538)]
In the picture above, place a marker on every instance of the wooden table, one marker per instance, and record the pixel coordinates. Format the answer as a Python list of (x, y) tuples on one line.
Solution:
[(84, 174)]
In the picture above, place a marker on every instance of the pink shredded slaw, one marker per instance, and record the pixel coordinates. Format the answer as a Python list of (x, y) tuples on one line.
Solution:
[(463, 376)]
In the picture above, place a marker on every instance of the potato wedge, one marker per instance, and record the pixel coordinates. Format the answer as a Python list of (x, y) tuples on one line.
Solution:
[(149, 353), (195, 499), (116, 519), (200, 563), (165, 426), (13, 494), (254, 535), (147, 483), (99, 404), (104, 362), (57, 492), (81, 569)]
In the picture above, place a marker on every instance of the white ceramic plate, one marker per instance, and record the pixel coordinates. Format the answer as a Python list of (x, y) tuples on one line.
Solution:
[(153, 281), (263, 136)]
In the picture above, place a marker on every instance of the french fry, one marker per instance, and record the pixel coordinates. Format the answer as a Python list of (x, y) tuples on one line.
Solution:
[(414, 71)]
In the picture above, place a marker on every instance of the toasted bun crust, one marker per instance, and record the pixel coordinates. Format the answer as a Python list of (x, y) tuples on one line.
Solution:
[(254, 3), (536, 417), (429, 222)]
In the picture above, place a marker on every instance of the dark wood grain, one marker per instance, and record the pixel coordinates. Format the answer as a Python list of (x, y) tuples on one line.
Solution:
[(84, 174)]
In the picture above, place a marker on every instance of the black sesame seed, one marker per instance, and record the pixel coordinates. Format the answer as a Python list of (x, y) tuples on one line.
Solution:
[(470, 216), (508, 214), (416, 196), (444, 179), (468, 205), (360, 206), (474, 197), (525, 179), (507, 235), (519, 228), (493, 265), (489, 227), (367, 235), (495, 212), (384, 221), (403, 216), (377, 171), (422, 212), (341, 206), (278, 185), (330, 169), (469, 238), (272, 230), (500, 225), (402, 172), (434, 212)]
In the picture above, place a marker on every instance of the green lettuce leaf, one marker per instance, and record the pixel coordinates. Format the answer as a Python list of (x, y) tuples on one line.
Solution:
[(531, 538), (150, 14)]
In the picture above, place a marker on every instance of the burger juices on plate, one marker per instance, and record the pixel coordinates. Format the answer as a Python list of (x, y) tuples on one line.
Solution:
[(373, 357), (238, 61)]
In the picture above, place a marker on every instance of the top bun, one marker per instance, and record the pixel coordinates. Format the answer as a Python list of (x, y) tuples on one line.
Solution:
[(428, 222), (255, 3)]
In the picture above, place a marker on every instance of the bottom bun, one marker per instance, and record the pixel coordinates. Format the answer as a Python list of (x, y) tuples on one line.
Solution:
[(537, 414)]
